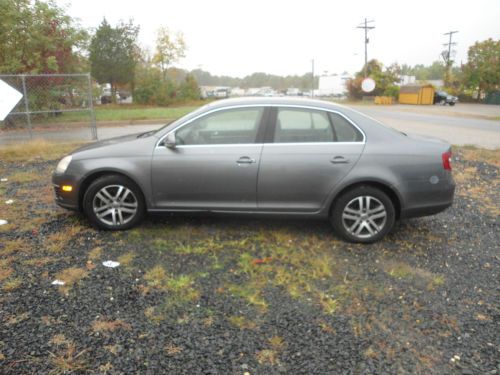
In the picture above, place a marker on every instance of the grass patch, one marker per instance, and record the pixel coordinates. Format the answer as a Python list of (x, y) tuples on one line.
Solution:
[(95, 254), (68, 360), (480, 154), (12, 284), (36, 150), (70, 276), (126, 259), (124, 112), (242, 322), (267, 357), (103, 325)]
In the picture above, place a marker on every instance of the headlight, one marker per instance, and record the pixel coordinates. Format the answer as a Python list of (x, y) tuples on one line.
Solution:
[(63, 164)]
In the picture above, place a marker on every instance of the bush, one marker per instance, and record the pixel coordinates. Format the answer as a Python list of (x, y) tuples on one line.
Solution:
[(392, 91)]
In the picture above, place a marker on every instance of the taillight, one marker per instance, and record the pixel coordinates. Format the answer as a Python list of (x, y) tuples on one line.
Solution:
[(447, 160)]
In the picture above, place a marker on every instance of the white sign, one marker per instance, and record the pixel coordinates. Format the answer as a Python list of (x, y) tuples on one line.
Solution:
[(9, 97), (368, 85)]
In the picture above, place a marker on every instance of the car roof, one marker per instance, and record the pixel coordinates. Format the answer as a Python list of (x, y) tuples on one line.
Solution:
[(266, 101)]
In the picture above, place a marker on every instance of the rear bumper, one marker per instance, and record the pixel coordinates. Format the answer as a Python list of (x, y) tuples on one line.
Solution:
[(424, 199), (424, 211)]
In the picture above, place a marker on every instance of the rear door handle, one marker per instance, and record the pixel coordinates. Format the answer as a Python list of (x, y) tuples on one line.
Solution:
[(245, 160), (339, 160)]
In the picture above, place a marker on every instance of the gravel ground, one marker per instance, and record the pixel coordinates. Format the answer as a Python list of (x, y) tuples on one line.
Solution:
[(225, 295)]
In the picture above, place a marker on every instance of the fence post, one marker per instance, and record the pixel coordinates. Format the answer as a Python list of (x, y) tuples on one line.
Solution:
[(26, 105), (93, 126)]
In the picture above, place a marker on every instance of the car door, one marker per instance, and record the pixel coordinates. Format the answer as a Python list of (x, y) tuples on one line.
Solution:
[(213, 165), (309, 152)]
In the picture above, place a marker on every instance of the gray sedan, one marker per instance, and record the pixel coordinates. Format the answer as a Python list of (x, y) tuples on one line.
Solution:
[(263, 156)]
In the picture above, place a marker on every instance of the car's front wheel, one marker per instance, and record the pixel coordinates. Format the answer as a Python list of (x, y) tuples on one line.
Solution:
[(364, 214), (113, 202)]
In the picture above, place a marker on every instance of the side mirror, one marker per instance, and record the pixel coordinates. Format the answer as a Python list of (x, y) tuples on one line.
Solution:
[(170, 140)]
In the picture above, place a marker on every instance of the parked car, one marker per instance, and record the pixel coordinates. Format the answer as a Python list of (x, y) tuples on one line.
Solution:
[(262, 156), (443, 98)]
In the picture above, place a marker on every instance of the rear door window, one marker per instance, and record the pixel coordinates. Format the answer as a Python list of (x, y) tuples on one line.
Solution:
[(297, 125)]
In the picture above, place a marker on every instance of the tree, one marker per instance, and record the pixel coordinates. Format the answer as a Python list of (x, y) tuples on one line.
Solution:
[(38, 37), (114, 54), (169, 49), (189, 88), (384, 79), (482, 71)]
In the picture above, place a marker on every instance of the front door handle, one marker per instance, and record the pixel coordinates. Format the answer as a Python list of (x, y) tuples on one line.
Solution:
[(339, 160), (245, 160)]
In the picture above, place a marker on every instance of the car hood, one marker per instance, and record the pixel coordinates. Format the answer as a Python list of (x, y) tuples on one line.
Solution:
[(108, 142)]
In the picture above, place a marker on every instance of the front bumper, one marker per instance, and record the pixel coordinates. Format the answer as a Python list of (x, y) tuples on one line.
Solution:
[(66, 199)]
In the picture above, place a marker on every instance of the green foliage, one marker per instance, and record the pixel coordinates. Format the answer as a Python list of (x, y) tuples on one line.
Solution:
[(189, 88), (152, 88), (482, 71), (114, 54), (38, 37), (424, 73), (392, 90), (384, 79)]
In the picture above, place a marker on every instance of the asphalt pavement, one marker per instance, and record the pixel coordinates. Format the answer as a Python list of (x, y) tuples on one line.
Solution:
[(464, 124)]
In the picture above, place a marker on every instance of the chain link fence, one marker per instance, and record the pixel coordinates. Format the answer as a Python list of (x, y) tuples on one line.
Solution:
[(54, 106)]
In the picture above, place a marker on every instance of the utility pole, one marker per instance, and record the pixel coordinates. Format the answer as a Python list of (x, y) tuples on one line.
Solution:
[(312, 79), (366, 28), (447, 55)]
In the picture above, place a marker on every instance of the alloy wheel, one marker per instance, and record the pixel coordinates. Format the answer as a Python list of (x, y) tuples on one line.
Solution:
[(115, 205), (364, 216)]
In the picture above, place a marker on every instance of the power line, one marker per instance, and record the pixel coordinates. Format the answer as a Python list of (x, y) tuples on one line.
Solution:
[(366, 28)]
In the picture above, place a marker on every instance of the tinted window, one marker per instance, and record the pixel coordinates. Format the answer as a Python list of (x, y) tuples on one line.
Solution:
[(302, 125), (225, 127), (344, 130)]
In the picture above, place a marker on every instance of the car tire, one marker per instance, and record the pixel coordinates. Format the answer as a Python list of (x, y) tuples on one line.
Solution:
[(452, 104), (114, 202), (364, 214)]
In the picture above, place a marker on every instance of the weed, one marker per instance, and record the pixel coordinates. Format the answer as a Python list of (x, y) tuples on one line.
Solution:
[(68, 361), (70, 276), (12, 284), (172, 349), (103, 325), (156, 277), (241, 322), (59, 339), (328, 303), (126, 259), (267, 356), (251, 292), (398, 270), (277, 343), (5, 273), (15, 246), (152, 314), (95, 254)]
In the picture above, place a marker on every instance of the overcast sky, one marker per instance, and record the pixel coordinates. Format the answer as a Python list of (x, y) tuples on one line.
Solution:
[(281, 37)]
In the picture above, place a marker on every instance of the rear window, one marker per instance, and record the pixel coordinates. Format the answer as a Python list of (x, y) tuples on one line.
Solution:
[(344, 130)]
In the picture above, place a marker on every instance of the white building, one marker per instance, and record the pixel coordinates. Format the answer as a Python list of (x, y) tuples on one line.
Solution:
[(332, 85)]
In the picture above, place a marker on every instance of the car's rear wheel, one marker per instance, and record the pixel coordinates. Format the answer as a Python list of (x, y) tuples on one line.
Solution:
[(364, 214), (113, 202)]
